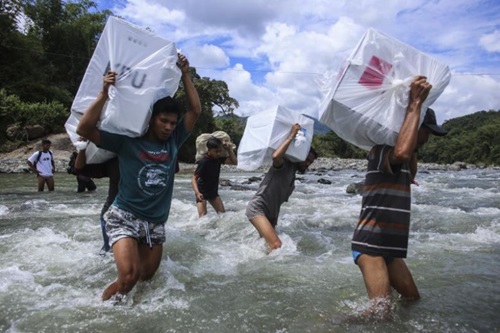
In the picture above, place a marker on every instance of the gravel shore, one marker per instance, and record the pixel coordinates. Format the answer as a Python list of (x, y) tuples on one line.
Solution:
[(15, 161)]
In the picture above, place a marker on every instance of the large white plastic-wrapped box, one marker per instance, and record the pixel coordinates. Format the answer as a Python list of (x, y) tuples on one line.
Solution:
[(147, 71), (366, 104), (266, 131)]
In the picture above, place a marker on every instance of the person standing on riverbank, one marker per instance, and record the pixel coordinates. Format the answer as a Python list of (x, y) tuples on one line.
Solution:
[(380, 241), (275, 189), (205, 180), (42, 164), (135, 223)]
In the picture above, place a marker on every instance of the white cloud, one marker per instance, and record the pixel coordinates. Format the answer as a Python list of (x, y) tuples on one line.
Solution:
[(491, 42), (208, 56), (252, 98), (468, 94), (150, 15), (275, 52)]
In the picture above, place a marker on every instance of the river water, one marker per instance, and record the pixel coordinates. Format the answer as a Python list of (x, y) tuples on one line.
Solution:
[(216, 275)]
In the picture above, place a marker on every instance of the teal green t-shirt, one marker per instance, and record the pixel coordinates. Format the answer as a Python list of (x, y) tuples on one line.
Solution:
[(147, 171)]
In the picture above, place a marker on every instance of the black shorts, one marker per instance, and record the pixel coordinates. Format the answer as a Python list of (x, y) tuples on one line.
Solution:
[(208, 196)]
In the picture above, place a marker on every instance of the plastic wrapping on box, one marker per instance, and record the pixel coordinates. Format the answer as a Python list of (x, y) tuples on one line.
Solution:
[(201, 143), (266, 131), (93, 154), (147, 71), (366, 104)]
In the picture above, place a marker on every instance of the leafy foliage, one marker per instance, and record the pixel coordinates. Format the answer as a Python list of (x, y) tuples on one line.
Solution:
[(473, 138), (234, 126), (48, 59), (43, 63), (13, 111), (212, 93), (330, 145)]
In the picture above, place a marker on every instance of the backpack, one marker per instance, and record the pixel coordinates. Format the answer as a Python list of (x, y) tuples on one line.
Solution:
[(71, 164), (40, 155)]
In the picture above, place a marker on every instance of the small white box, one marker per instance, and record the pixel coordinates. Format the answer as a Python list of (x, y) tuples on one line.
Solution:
[(366, 104), (93, 154), (266, 131)]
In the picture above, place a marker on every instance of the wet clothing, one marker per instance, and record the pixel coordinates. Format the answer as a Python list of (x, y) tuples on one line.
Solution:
[(207, 176), (384, 224), (85, 182), (121, 224), (274, 190), (147, 171), (108, 169), (357, 254)]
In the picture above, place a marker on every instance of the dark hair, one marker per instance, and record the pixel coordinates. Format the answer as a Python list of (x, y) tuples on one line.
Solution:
[(312, 151), (166, 105), (46, 142), (214, 143)]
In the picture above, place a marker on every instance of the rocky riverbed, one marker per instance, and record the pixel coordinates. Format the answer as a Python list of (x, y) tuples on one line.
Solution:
[(15, 161)]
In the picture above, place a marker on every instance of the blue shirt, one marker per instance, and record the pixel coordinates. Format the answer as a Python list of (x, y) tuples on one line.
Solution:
[(147, 171)]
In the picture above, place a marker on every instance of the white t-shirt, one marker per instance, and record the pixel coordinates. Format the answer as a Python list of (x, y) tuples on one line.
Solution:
[(44, 164)]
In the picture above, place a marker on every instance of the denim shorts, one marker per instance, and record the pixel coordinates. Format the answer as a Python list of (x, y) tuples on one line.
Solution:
[(122, 224)]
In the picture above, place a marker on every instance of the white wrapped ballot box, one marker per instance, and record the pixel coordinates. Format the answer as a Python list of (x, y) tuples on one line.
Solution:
[(266, 131), (366, 104), (147, 71)]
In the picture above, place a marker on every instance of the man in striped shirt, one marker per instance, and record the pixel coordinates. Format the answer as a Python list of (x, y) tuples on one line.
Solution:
[(380, 241)]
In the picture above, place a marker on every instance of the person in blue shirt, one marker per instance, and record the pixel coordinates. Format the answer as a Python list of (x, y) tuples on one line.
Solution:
[(135, 223)]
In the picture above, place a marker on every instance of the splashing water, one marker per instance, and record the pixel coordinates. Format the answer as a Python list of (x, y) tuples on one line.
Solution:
[(217, 276)]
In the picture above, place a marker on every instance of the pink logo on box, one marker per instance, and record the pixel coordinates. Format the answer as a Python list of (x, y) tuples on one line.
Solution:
[(374, 74)]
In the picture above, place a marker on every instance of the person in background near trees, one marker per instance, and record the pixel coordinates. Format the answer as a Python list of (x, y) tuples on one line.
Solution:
[(275, 189), (135, 223), (205, 179), (380, 240), (42, 164), (108, 169), (84, 181)]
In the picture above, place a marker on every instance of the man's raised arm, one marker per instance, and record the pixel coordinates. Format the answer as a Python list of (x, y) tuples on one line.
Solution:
[(280, 152), (408, 134), (193, 100), (87, 126)]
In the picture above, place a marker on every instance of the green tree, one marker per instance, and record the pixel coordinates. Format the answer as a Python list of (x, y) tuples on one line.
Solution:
[(233, 125), (474, 138), (53, 53), (21, 59), (13, 111), (213, 93), (331, 145)]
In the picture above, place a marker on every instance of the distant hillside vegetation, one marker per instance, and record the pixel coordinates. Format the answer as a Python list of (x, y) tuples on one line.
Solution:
[(474, 138)]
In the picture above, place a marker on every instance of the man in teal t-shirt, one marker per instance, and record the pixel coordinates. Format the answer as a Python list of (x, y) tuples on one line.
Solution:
[(147, 171), (135, 223)]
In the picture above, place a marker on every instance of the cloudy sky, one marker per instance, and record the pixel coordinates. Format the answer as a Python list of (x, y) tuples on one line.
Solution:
[(276, 52)]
